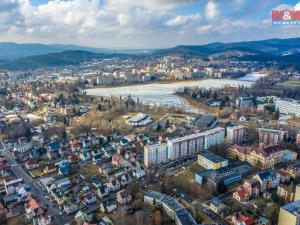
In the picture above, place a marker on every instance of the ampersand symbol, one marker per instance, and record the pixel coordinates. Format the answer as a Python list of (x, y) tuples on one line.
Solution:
[(286, 15)]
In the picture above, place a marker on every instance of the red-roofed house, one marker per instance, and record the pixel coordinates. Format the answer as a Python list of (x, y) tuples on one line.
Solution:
[(239, 219), (31, 164), (241, 194), (35, 212)]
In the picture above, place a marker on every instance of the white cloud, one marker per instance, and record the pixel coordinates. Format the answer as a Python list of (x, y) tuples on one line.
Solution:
[(130, 23), (283, 7), (211, 10), (297, 6), (205, 29), (182, 20)]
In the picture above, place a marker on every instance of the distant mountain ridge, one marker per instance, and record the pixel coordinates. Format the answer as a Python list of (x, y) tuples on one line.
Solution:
[(55, 60), (11, 51), (271, 47), (38, 55)]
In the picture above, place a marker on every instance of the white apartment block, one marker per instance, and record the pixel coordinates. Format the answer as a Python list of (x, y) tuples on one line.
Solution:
[(288, 106), (12, 187), (214, 137), (271, 136), (235, 134), (183, 146), (191, 144), (155, 154)]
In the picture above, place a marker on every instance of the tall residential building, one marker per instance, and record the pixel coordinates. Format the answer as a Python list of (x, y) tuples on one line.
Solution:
[(191, 144), (183, 146), (155, 154), (235, 134), (271, 136), (298, 138), (288, 106), (289, 214)]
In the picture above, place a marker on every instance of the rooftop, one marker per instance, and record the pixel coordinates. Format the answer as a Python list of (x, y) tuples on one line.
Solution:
[(293, 207), (212, 157)]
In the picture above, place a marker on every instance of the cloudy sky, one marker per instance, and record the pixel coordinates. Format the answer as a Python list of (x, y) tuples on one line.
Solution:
[(140, 23)]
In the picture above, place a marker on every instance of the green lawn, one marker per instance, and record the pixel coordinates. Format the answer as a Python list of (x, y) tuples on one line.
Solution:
[(18, 220), (290, 83), (90, 170), (36, 172)]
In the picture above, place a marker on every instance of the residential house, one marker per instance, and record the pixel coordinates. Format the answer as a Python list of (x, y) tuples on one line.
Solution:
[(96, 157), (126, 179), (139, 172), (31, 164), (239, 219), (36, 213), (123, 197), (241, 194), (22, 147), (96, 182), (70, 208), (294, 170), (103, 191), (114, 185), (89, 198), (108, 206), (53, 150), (252, 187), (84, 156), (105, 221), (12, 186), (286, 192), (64, 168), (74, 145), (216, 205), (268, 179)]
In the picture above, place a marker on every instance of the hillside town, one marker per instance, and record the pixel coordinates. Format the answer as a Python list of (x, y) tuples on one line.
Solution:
[(72, 158)]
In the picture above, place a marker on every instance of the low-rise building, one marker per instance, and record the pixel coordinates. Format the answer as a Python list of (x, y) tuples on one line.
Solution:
[(286, 192), (171, 206), (140, 119), (241, 194), (265, 157), (123, 197), (216, 205), (268, 179), (288, 106), (289, 213), (12, 186), (209, 160)]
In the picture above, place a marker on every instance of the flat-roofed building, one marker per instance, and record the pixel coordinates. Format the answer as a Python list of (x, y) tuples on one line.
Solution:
[(289, 214), (271, 136), (191, 144), (235, 134), (209, 160), (288, 106), (155, 155)]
